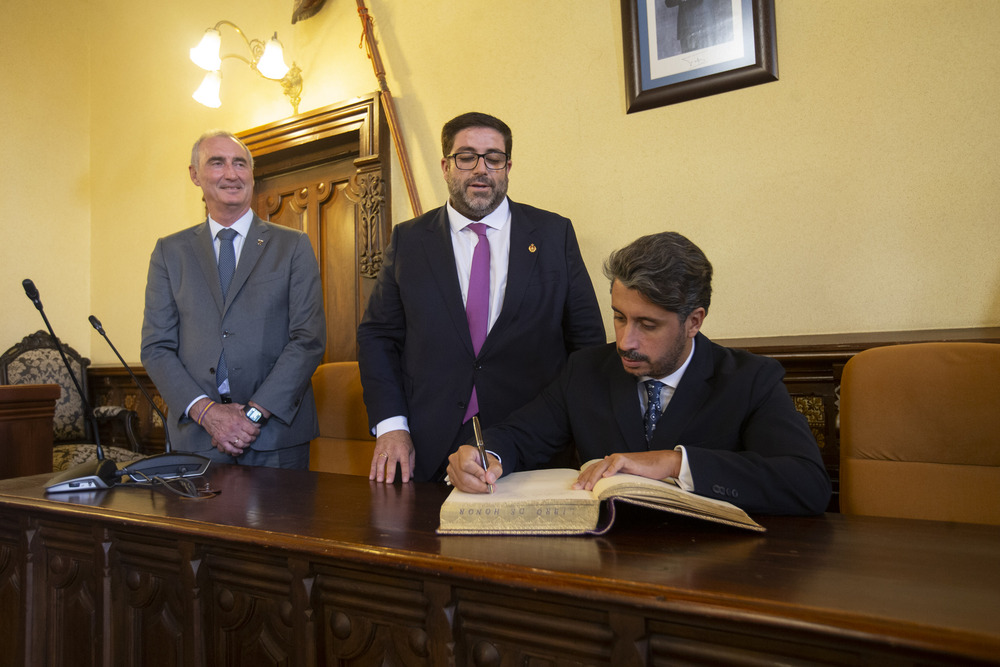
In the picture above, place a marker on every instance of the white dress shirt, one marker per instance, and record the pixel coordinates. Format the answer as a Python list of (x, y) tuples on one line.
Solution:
[(463, 243), (670, 382), (241, 227)]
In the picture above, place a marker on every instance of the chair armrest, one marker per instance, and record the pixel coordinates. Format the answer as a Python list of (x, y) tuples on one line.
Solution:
[(127, 419)]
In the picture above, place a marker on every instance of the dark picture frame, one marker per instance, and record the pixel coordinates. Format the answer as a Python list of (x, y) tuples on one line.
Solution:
[(680, 50)]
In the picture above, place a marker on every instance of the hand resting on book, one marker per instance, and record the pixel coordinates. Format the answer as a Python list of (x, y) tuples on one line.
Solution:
[(466, 472), (657, 464)]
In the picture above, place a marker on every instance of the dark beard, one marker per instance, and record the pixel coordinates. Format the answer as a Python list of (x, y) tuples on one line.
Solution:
[(476, 208), (663, 366)]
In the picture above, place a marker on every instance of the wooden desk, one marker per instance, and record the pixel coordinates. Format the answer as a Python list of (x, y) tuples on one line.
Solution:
[(26, 435), (302, 568)]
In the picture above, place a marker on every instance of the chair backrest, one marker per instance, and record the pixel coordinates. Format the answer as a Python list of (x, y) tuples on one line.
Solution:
[(345, 445), (36, 360), (920, 432)]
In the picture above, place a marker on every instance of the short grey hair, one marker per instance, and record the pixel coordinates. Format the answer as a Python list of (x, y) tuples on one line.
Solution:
[(211, 134)]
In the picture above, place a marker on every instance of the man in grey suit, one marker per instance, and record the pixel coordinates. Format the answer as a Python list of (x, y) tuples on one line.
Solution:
[(234, 325), (424, 372)]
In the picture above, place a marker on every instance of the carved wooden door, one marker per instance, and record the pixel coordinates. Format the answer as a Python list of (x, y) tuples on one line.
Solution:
[(315, 201), (322, 172)]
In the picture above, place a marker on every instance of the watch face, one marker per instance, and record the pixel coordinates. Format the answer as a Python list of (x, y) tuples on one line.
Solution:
[(254, 415)]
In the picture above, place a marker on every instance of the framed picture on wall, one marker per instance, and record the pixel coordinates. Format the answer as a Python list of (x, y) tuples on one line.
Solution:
[(679, 50)]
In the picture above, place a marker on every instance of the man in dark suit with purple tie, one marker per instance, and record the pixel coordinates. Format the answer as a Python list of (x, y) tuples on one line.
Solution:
[(445, 336), (664, 401)]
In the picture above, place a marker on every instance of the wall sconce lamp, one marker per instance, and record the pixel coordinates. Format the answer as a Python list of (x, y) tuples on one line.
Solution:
[(268, 60)]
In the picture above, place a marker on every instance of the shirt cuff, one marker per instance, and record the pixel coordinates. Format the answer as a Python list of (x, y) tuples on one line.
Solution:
[(187, 410), (684, 479), (392, 424)]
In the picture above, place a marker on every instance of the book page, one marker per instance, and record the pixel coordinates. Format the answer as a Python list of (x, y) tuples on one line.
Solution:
[(530, 502), (654, 492), (554, 484)]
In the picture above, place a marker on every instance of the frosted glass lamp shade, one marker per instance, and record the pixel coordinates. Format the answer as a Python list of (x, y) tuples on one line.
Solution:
[(272, 62), (208, 91), (206, 54)]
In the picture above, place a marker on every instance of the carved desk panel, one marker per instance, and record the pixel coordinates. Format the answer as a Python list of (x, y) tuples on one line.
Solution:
[(300, 568)]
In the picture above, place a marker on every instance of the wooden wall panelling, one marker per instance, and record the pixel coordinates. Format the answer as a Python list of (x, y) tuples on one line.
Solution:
[(112, 385)]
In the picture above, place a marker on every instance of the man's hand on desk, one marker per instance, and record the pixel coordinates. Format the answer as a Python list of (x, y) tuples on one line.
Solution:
[(465, 470), (230, 429), (658, 464), (392, 448)]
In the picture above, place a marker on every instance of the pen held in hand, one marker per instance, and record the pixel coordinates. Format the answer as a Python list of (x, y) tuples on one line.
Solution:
[(481, 446)]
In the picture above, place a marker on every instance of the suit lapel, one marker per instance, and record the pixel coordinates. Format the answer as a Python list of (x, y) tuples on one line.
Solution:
[(440, 258), (253, 247), (520, 269), (688, 398), (625, 405), (203, 249)]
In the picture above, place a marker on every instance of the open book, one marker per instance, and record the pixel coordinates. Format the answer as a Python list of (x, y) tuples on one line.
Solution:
[(543, 502)]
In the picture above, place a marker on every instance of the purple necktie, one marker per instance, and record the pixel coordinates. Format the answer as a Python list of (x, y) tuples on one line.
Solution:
[(477, 303)]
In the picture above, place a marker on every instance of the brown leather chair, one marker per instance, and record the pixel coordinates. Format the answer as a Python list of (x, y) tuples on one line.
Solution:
[(344, 444), (920, 432)]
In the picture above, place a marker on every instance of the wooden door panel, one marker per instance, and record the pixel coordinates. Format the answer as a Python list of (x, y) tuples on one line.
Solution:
[(315, 201), (324, 172)]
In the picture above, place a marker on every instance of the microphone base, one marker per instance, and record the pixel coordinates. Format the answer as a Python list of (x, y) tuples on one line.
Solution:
[(89, 476), (166, 466)]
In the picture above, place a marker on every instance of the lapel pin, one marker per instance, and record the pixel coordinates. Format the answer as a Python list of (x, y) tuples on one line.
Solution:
[(532, 248), (260, 241)]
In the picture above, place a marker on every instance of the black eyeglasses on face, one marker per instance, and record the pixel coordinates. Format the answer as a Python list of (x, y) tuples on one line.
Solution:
[(467, 160)]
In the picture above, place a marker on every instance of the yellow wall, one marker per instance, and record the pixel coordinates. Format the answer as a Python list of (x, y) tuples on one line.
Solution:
[(45, 186), (858, 193)]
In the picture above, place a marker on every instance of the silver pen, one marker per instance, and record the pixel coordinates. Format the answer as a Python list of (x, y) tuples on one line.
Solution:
[(481, 446)]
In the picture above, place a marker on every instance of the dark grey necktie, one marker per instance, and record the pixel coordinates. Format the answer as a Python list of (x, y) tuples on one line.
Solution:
[(653, 409), (227, 267)]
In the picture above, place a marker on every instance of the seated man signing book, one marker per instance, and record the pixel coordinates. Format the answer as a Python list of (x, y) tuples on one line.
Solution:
[(664, 401)]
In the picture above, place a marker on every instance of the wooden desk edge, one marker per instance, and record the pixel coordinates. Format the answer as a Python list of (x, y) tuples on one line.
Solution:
[(520, 580)]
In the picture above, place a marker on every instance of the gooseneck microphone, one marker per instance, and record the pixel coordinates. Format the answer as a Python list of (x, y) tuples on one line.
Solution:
[(96, 323), (99, 474), (32, 292), (169, 465)]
